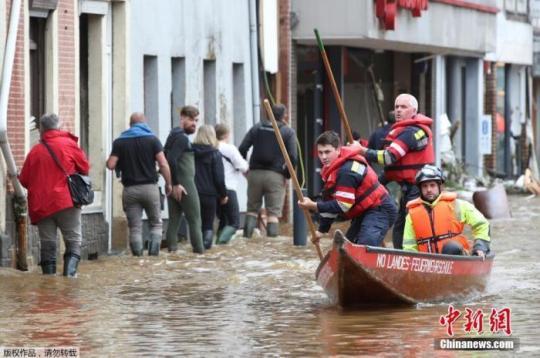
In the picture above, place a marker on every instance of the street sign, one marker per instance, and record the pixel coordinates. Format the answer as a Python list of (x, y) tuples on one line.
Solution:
[(485, 134)]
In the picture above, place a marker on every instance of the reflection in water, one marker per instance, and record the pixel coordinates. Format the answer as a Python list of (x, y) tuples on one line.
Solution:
[(251, 298)]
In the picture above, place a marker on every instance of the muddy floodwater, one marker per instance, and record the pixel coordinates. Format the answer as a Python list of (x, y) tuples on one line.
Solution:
[(255, 298)]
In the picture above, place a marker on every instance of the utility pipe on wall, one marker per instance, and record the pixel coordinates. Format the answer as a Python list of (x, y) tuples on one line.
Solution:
[(20, 205), (254, 61), (9, 57)]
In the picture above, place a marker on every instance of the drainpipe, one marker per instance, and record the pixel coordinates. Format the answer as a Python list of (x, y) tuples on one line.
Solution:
[(19, 203), (254, 61)]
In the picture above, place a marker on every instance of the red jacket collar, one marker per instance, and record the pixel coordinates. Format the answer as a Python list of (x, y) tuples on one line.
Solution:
[(345, 154), (417, 119), (55, 133)]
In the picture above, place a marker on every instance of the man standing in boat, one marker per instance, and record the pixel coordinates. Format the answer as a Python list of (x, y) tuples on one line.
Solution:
[(351, 189), (436, 219), (408, 147)]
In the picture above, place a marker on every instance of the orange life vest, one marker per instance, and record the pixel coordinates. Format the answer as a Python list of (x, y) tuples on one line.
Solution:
[(404, 170), (434, 228), (368, 195)]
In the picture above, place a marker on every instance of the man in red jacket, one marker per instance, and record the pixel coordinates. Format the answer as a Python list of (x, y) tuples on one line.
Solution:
[(351, 190), (407, 148), (49, 200)]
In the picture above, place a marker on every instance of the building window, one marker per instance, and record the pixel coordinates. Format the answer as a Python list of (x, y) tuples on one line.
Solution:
[(516, 9), (83, 82), (178, 88), (151, 92), (37, 66), (209, 68), (239, 103)]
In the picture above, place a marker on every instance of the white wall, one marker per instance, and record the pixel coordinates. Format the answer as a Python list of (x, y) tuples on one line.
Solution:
[(195, 30), (351, 22), (514, 42), (3, 29)]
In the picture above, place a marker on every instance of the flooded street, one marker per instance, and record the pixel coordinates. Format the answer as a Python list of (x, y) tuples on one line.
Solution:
[(253, 298)]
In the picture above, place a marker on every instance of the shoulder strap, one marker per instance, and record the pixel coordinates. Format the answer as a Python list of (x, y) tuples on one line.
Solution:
[(228, 159), (54, 157)]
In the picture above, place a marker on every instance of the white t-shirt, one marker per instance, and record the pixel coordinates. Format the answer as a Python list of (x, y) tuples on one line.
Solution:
[(234, 164)]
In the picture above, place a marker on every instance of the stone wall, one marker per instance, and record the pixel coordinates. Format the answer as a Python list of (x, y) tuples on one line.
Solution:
[(95, 240)]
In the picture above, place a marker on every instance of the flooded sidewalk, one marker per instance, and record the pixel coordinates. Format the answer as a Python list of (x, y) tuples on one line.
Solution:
[(252, 298)]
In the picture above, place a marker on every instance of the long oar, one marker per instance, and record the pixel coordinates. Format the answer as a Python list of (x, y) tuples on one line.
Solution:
[(293, 175), (341, 108)]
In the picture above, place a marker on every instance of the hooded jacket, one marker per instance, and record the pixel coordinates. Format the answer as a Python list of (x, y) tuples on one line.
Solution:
[(209, 172), (48, 191)]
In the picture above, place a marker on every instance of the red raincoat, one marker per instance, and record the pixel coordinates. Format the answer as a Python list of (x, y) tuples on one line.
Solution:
[(47, 186)]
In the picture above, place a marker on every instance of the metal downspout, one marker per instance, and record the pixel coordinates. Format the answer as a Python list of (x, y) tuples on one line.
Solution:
[(254, 61), (20, 205)]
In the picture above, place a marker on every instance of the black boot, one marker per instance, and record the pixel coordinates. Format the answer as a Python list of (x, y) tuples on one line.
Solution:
[(272, 229), (250, 222), (154, 245), (48, 267), (208, 237), (71, 262), (136, 249)]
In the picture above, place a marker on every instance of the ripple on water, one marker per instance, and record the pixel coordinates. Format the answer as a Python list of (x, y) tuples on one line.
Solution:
[(251, 298)]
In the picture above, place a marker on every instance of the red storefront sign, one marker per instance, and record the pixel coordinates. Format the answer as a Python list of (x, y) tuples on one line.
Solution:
[(387, 10)]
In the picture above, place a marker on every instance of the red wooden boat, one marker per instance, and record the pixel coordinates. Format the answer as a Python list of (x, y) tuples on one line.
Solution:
[(354, 275)]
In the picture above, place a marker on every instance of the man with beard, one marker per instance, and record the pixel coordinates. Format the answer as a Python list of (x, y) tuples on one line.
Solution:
[(436, 220), (184, 197)]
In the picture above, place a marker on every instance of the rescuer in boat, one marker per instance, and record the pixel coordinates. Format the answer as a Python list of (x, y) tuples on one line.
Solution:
[(407, 148), (351, 189), (436, 219)]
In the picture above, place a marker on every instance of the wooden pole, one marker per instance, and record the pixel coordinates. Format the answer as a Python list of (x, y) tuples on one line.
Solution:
[(293, 175), (375, 94), (341, 108)]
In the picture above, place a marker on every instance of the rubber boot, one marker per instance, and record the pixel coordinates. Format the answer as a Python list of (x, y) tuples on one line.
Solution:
[(154, 244), (226, 234), (136, 249), (71, 262), (208, 237), (272, 229), (249, 225), (172, 244), (183, 230), (48, 267)]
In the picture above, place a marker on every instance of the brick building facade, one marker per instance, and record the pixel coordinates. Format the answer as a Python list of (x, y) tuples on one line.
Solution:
[(49, 32)]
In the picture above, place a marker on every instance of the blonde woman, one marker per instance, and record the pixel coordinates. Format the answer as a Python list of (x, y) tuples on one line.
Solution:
[(209, 179)]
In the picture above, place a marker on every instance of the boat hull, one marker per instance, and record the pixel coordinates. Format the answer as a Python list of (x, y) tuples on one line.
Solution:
[(354, 275)]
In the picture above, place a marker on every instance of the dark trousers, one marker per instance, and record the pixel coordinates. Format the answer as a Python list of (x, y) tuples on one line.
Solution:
[(208, 211), (408, 193), (229, 214), (371, 227)]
